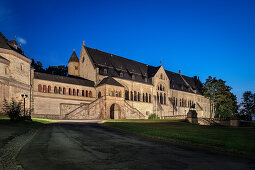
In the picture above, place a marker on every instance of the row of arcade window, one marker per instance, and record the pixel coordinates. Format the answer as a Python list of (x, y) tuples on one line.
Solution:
[(136, 96), (161, 87), (111, 93), (183, 103), (60, 90), (161, 98)]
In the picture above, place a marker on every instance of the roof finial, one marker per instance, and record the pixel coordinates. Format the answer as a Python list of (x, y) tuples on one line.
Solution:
[(15, 37), (160, 63), (83, 42), (74, 49)]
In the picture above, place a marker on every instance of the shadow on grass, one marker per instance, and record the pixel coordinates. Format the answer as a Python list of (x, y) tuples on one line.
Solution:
[(35, 123)]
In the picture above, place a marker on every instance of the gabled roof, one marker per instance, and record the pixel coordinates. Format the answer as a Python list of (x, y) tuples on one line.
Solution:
[(73, 58), (110, 81), (139, 72), (63, 79)]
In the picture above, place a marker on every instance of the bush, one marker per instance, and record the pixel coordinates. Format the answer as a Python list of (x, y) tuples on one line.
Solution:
[(13, 109), (153, 116)]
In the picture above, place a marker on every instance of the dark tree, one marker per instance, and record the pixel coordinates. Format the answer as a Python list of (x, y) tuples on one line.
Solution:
[(38, 66), (57, 70), (248, 104), (224, 101)]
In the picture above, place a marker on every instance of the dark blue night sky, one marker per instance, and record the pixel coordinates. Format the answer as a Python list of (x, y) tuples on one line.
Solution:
[(203, 38)]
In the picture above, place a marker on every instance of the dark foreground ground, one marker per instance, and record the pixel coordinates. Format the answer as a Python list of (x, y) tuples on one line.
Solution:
[(80, 145)]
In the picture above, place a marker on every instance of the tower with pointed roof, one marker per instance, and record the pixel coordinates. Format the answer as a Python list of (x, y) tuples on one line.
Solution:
[(73, 65)]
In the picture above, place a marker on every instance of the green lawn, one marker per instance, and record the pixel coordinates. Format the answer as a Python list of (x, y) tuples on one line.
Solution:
[(235, 139)]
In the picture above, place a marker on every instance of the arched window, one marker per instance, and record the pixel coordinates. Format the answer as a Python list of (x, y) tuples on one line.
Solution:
[(160, 87), (150, 98), (44, 88), (164, 98), (49, 89), (99, 94), (55, 89), (135, 96), (147, 97), (143, 98), (158, 98), (180, 102), (77, 92), (138, 96), (87, 93), (82, 92), (39, 87), (161, 98), (131, 95), (120, 94), (70, 91), (90, 93), (59, 90), (126, 94), (64, 90)]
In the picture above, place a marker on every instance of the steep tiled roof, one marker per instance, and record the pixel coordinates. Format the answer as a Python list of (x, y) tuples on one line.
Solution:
[(9, 45), (73, 58), (63, 79), (116, 66), (110, 81)]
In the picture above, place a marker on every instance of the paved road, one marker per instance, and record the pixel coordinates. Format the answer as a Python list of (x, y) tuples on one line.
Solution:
[(68, 145)]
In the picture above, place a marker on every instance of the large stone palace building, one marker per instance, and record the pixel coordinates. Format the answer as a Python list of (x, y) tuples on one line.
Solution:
[(99, 85)]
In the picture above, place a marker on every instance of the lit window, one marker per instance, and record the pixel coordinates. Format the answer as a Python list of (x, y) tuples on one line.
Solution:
[(105, 71), (133, 77)]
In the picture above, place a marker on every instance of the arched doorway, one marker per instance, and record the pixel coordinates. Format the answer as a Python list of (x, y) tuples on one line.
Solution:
[(114, 111)]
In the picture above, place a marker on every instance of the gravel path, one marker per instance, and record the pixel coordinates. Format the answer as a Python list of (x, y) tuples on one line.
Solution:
[(12, 146)]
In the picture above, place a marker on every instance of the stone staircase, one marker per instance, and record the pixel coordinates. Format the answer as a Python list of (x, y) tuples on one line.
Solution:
[(91, 110), (132, 113)]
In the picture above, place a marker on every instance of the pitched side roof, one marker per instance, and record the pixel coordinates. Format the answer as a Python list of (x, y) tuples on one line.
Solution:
[(63, 79), (115, 65), (110, 81), (73, 58)]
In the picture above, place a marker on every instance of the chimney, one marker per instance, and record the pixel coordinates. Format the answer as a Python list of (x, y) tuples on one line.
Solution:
[(195, 77), (180, 72)]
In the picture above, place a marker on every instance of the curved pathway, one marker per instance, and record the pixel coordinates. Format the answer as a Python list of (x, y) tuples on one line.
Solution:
[(79, 145)]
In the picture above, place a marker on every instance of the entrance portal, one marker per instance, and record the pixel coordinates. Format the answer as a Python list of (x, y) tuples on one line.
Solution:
[(114, 111)]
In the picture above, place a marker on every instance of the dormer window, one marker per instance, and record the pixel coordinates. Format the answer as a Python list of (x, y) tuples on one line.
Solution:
[(121, 74), (146, 79), (105, 71), (133, 77)]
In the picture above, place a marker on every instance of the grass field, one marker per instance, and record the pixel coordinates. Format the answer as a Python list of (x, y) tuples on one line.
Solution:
[(234, 139)]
